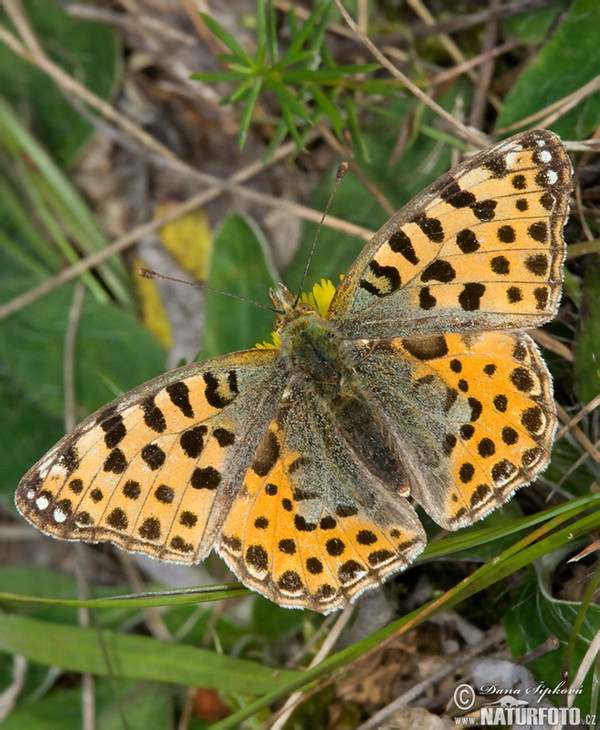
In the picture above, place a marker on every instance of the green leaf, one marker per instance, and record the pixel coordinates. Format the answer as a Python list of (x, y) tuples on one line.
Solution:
[(143, 704), (248, 110), (62, 709), (138, 704), (287, 107), (536, 616), (216, 76), (289, 103), (114, 352), (532, 27), (26, 431), (299, 58), (51, 596), (269, 30), (241, 266), (356, 132), (277, 138), (249, 84), (243, 71), (228, 40), (134, 657), (269, 621), (328, 108), (320, 75), (569, 469), (306, 29), (36, 182), (288, 77), (563, 65)]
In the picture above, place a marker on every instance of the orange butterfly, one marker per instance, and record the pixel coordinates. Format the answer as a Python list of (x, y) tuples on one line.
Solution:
[(301, 464)]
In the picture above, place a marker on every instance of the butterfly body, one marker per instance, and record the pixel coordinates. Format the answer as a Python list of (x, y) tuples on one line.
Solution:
[(323, 372), (302, 464)]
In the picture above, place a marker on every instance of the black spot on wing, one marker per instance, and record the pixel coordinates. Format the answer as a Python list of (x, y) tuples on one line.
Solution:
[(400, 243), (467, 241), (205, 478), (426, 347), (457, 198), (179, 393), (431, 227), (192, 441), (485, 210), (440, 270), (69, 460), (470, 296), (115, 462), (114, 430), (153, 416), (154, 456)]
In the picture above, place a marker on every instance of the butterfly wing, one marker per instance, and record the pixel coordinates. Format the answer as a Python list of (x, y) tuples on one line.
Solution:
[(480, 249), (311, 528), (157, 470), (480, 411)]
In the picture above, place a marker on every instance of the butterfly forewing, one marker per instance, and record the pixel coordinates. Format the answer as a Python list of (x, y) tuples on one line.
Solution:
[(480, 249), (156, 470)]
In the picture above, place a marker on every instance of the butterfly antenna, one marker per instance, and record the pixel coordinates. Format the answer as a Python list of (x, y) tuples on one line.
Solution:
[(341, 171), (149, 274)]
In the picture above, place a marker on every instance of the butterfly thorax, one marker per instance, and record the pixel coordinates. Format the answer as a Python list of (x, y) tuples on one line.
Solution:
[(322, 369), (312, 350)]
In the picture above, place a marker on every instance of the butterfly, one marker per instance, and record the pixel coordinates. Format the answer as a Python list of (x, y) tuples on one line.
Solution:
[(303, 464)]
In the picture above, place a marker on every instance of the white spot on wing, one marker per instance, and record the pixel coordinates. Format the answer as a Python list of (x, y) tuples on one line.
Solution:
[(512, 159), (59, 515), (42, 503)]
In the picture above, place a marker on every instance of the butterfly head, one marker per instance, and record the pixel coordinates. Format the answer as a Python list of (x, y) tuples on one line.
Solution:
[(288, 307)]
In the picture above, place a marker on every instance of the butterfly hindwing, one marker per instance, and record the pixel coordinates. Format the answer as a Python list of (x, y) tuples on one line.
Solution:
[(481, 413), (310, 525)]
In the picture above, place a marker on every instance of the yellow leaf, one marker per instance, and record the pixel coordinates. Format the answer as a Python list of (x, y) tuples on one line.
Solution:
[(188, 240), (154, 314)]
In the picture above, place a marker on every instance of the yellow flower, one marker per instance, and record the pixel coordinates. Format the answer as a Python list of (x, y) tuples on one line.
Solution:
[(320, 297), (264, 345)]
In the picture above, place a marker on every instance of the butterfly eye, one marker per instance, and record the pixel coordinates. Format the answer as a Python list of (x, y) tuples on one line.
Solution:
[(304, 308)]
